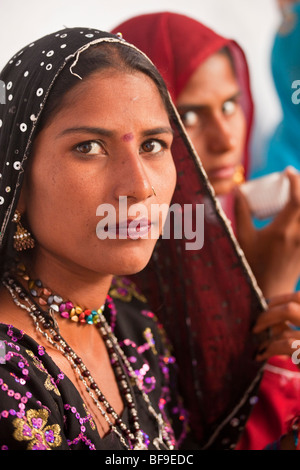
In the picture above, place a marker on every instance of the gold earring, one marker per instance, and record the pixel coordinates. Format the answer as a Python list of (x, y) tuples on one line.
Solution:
[(153, 191), (22, 238), (239, 175)]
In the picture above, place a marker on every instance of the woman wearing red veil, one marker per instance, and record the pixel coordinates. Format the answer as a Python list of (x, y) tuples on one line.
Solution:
[(204, 306)]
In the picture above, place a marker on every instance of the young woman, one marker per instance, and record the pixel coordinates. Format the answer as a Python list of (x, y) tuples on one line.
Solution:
[(208, 79), (87, 124)]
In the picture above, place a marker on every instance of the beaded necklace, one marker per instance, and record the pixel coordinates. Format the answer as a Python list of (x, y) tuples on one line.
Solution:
[(45, 298), (46, 324)]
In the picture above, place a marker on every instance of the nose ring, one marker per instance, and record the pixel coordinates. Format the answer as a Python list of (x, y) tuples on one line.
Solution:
[(153, 190)]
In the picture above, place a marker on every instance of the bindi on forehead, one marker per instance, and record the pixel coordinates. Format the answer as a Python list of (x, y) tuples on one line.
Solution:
[(128, 137)]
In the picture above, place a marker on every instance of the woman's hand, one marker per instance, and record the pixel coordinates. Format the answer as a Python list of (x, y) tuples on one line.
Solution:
[(274, 251), (279, 324)]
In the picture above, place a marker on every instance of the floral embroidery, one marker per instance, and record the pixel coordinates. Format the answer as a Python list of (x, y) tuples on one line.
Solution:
[(10, 332), (82, 421), (124, 289), (33, 428), (89, 417), (162, 334), (49, 382)]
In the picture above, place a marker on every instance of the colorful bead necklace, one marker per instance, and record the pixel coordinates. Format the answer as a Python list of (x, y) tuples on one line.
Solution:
[(46, 324), (46, 298)]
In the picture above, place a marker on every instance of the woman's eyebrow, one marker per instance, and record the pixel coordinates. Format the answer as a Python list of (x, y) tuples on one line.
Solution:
[(87, 130), (109, 133), (235, 96), (158, 130), (198, 107)]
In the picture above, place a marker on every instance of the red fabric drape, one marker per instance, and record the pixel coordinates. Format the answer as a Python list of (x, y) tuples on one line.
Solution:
[(204, 284), (206, 298)]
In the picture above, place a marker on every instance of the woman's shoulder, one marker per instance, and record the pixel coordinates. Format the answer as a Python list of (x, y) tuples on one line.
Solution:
[(130, 308), (126, 290), (40, 408), (14, 342), (30, 397), (24, 363)]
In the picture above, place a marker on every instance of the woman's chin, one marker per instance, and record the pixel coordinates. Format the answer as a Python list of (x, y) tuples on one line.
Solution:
[(132, 269), (223, 187), (132, 266)]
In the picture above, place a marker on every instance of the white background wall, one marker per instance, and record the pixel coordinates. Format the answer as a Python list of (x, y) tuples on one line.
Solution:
[(251, 22)]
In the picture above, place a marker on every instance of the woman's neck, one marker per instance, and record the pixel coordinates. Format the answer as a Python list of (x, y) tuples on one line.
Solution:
[(78, 284)]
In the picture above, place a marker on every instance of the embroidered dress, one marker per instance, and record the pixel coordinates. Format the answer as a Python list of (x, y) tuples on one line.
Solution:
[(40, 408)]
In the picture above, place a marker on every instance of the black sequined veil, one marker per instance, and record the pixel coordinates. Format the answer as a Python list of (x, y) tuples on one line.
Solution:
[(210, 291)]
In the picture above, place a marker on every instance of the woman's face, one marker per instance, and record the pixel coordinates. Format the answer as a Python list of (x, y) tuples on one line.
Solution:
[(213, 117), (111, 138)]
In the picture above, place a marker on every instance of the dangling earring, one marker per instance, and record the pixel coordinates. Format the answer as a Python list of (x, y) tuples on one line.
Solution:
[(22, 238), (239, 175)]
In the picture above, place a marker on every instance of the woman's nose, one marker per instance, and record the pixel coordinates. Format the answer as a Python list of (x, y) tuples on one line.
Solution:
[(220, 136), (133, 178)]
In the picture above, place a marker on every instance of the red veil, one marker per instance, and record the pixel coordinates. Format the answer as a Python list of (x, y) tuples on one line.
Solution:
[(207, 299)]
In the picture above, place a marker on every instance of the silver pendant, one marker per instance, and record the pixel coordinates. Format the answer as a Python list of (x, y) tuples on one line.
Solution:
[(159, 444), (140, 446)]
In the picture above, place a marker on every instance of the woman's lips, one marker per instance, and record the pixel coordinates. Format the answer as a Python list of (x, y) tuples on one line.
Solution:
[(131, 228), (224, 172)]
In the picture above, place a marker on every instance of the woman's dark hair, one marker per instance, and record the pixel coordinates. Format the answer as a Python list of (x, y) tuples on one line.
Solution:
[(97, 58)]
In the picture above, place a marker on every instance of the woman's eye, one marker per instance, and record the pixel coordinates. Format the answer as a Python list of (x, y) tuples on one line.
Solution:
[(152, 146), (90, 147), (229, 107), (190, 118)]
